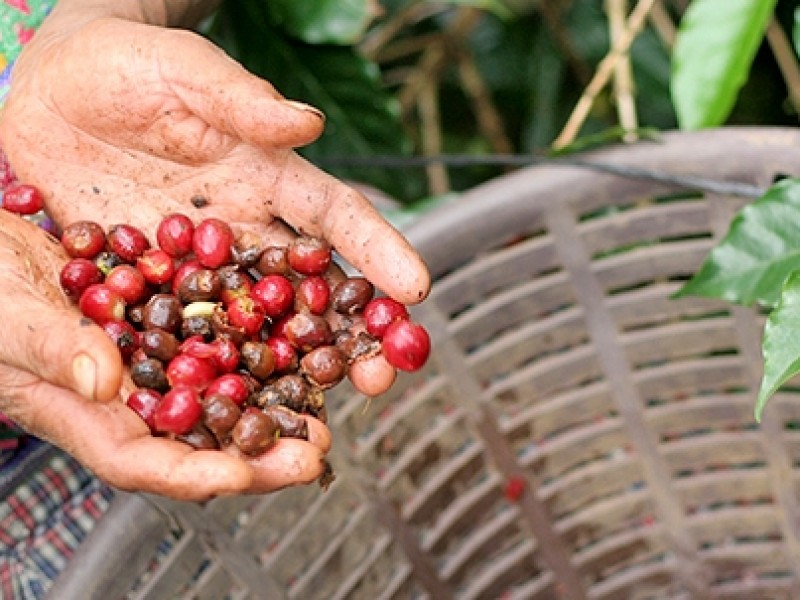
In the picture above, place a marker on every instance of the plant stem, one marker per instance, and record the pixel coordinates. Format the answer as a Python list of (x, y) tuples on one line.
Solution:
[(787, 61), (663, 24), (428, 103), (623, 78), (489, 120), (603, 73)]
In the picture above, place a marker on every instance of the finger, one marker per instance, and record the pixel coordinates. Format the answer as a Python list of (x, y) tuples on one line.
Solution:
[(319, 434), (232, 100), (289, 462), (61, 347), (174, 469), (117, 446), (316, 203)]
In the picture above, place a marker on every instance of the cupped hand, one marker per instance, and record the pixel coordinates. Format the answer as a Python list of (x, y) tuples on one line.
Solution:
[(123, 123), (60, 378)]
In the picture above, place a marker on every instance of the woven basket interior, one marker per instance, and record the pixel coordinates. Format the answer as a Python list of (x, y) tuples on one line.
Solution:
[(578, 433)]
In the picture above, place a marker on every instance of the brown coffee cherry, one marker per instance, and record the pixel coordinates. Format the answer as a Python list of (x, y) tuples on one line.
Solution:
[(197, 325), (220, 415), (258, 359), (290, 424), (246, 251), (290, 391), (356, 345), (306, 331), (199, 286), (274, 261), (221, 327), (149, 373), (324, 366), (163, 311), (350, 296), (199, 438), (254, 432), (159, 344)]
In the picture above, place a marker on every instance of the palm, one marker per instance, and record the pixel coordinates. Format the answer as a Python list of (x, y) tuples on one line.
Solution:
[(140, 149), (172, 120), (42, 333)]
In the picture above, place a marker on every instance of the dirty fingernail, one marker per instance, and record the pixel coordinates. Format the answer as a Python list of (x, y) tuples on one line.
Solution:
[(84, 370), (306, 108)]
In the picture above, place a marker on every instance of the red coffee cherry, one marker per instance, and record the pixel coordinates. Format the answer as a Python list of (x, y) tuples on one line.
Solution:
[(514, 488), (246, 313), (156, 265), (285, 354), (312, 294), (211, 242), (124, 336), (128, 282), (226, 355), (77, 275), (127, 242), (22, 199), (309, 255), (83, 239), (379, 313), (231, 385), (406, 345), (100, 303), (143, 402), (191, 371), (174, 235), (178, 411), (275, 293)]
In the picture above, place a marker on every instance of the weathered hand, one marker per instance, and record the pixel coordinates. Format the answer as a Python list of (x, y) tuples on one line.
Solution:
[(123, 122), (60, 378)]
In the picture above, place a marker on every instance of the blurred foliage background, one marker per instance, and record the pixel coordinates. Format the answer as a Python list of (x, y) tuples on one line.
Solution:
[(417, 78)]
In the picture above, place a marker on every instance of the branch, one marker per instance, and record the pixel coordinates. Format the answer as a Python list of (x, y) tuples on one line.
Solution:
[(623, 78), (787, 61), (604, 71)]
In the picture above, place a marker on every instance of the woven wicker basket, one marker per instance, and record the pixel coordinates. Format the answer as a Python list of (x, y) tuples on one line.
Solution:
[(560, 362)]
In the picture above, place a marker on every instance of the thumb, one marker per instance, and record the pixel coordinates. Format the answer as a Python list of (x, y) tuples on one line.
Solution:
[(232, 100), (63, 348)]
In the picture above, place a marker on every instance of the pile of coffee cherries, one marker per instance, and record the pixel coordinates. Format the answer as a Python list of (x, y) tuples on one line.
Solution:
[(230, 341)]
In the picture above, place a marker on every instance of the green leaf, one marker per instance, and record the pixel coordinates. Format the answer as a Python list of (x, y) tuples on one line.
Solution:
[(716, 43), (761, 248), (340, 22), (781, 344)]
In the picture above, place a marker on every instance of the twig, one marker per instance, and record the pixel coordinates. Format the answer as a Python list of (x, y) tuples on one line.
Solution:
[(489, 120), (663, 24), (405, 47), (623, 78), (380, 36), (428, 102), (428, 68), (563, 42), (787, 61), (604, 71)]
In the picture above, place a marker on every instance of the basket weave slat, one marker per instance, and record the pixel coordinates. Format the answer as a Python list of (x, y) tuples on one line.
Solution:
[(561, 359)]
